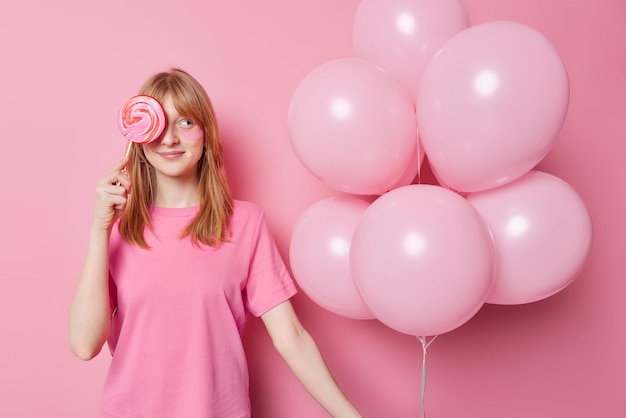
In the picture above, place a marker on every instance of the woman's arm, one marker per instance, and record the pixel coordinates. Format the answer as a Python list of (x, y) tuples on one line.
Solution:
[(304, 359), (90, 311)]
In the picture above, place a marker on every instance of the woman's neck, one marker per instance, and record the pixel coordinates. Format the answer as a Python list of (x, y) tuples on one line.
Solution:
[(172, 192)]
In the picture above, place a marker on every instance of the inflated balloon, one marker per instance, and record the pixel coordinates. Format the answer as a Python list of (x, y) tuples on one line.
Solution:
[(402, 36), (141, 119), (443, 184), (353, 126), (491, 104), (543, 235), (423, 259), (319, 255), (413, 169)]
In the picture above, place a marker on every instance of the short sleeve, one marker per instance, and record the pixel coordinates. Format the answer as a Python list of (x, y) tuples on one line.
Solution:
[(269, 283), (114, 245)]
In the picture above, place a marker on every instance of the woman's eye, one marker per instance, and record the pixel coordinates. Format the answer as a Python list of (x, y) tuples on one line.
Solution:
[(186, 123)]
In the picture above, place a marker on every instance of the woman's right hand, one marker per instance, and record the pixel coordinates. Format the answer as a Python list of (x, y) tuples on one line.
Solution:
[(111, 195), (90, 312)]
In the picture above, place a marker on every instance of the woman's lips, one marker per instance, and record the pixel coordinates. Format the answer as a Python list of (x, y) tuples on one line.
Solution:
[(171, 155)]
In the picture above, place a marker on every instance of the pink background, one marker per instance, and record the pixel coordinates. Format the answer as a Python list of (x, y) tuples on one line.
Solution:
[(68, 65)]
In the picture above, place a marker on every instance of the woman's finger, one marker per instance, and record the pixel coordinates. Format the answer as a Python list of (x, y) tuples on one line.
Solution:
[(123, 179), (120, 165), (117, 177)]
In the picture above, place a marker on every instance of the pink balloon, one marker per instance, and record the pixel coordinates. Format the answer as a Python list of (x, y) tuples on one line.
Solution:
[(444, 185), (491, 104), (319, 255), (423, 260), (412, 171), (402, 36), (543, 234), (353, 126)]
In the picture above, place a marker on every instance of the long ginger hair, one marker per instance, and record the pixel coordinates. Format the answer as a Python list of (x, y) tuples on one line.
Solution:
[(211, 224)]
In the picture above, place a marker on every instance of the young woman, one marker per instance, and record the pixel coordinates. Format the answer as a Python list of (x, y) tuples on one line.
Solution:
[(174, 265)]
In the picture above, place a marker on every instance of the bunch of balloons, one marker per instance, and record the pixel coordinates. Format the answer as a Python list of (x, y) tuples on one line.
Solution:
[(484, 104)]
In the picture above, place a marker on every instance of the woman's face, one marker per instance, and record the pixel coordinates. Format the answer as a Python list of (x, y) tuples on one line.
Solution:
[(176, 153)]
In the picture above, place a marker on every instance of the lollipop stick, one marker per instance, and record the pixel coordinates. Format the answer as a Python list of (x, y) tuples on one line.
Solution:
[(128, 147), (141, 120), (130, 144)]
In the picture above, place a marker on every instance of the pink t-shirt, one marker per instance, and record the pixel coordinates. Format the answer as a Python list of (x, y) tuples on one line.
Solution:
[(175, 338)]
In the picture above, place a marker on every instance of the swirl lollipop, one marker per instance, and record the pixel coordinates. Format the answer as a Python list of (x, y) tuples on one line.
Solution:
[(141, 120)]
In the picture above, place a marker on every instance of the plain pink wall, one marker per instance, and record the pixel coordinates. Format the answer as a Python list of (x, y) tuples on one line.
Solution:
[(68, 65)]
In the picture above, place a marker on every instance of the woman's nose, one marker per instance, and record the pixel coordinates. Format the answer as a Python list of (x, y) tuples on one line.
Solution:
[(169, 136)]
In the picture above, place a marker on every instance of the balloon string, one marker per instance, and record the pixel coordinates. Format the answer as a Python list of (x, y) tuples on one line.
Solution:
[(425, 345), (419, 163)]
